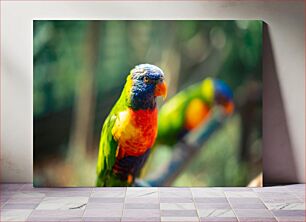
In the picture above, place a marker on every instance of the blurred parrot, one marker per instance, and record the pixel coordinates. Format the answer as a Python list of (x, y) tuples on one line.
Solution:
[(190, 108), (130, 129)]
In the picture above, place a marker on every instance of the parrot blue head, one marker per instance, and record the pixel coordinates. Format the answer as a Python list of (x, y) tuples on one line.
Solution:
[(223, 95), (215, 91), (222, 91), (147, 83)]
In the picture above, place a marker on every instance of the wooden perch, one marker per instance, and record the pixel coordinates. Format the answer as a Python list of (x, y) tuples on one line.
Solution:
[(184, 151)]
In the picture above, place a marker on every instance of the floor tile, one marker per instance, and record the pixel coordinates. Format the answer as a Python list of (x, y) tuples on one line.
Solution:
[(240, 194), (289, 213), (3, 200), (177, 206), (176, 200), (142, 200), (275, 197), (101, 219), (236, 205), (67, 193), (285, 206), (103, 213), (291, 219), (224, 205), (54, 219), (15, 214), (281, 200), (104, 206), (296, 187), (32, 200), (95, 189), (178, 213), (256, 219), (210, 200), (137, 192), (25, 194), (109, 193), (10, 186), (278, 189), (300, 195), (207, 192), (141, 189), (20, 206), (57, 213), (62, 203), (141, 206), (141, 213), (218, 219), (179, 219), (237, 189), (174, 192), (23, 202), (257, 213), (244, 200), (106, 200), (140, 219), (216, 213)]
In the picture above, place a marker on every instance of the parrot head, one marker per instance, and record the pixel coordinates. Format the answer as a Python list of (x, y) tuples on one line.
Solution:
[(146, 83), (218, 92), (224, 96)]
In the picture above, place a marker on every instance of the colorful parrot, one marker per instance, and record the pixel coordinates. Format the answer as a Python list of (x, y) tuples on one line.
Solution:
[(190, 108), (130, 129)]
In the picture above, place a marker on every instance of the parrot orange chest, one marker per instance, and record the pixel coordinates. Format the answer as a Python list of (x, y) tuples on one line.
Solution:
[(135, 131)]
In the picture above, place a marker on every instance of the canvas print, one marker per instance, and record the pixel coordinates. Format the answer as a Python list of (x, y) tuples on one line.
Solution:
[(147, 103)]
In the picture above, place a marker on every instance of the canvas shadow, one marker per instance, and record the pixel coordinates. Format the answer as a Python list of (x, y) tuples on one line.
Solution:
[(278, 159)]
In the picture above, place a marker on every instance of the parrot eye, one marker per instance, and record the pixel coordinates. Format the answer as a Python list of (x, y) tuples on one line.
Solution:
[(146, 79)]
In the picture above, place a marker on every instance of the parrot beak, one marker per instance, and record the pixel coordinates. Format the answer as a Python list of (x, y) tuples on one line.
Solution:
[(161, 90), (229, 108)]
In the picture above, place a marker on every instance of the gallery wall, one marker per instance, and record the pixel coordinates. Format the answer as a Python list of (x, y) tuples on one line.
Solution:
[(283, 72)]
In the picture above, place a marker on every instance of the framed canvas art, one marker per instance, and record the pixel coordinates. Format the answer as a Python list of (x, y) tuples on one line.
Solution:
[(147, 103)]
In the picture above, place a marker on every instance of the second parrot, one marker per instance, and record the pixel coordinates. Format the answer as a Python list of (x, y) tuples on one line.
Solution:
[(190, 108)]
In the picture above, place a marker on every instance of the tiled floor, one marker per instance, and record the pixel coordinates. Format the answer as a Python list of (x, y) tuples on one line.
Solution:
[(21, 202)]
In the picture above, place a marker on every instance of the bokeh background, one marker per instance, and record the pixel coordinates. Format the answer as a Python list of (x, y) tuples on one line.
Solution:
[(80, 68)]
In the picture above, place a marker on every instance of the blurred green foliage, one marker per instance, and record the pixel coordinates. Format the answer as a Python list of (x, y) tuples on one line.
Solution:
[(188, 51), (230, 50)]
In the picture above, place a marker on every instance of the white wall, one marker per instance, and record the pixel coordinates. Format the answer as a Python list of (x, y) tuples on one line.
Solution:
[(285, 21)]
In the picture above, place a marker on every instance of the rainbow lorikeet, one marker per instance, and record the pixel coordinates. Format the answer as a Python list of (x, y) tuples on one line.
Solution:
[(190, 108), (130, 129)]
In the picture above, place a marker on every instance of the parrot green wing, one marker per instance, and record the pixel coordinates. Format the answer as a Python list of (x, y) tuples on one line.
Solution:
[(107, 151), (108, 145)]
